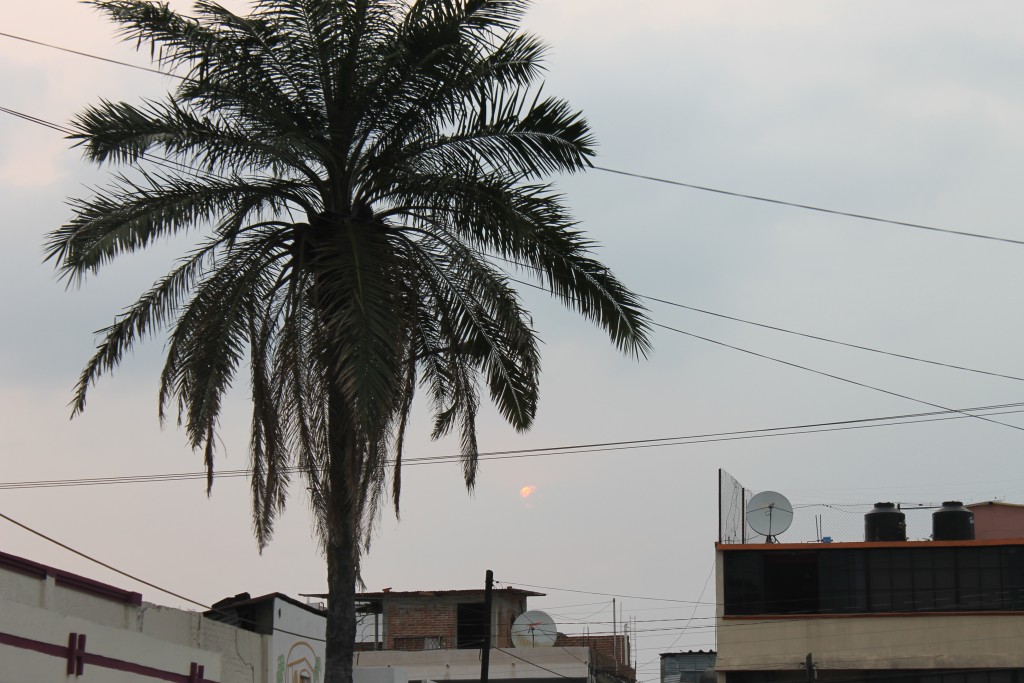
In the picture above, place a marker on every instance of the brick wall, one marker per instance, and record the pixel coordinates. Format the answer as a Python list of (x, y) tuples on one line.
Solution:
[(507, 608), (610, 653), (406, 620)]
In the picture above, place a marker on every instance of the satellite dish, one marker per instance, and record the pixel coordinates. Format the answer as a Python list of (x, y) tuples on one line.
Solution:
[(533, 629), (769, 514)]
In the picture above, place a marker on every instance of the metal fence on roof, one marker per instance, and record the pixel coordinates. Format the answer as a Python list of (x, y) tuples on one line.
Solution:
[(812, 522)]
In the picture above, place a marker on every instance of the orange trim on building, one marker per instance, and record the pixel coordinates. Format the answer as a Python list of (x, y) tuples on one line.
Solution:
[(861, 615), (865, 544)]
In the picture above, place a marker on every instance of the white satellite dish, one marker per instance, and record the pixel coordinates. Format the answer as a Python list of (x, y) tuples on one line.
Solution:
[(769, 514), (533, 629)]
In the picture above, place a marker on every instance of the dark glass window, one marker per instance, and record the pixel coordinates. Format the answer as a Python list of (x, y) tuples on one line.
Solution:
[(879, 581), (923, 563), (968, 579), (744, 587), (945, 579), (843, 581), (1013, 578), (791, 583), (472, 625)]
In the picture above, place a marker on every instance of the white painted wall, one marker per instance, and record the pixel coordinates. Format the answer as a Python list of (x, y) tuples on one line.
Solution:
[(18, 665), (379, 674), (149, 635), (943, 641), (298, 648), (443, 665)]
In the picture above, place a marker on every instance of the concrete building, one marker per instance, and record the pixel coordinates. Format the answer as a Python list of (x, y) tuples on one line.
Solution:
[(948, 611), (438, 620), (995, 519), (56, 626), (692, 666), (439, 635)]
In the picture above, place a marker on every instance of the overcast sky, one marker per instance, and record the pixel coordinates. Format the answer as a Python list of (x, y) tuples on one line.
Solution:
[(911, 111)]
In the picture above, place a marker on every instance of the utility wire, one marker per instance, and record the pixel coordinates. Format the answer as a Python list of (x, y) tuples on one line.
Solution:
[(156, 159), (629, 174), (791, 332), (827, 374), (778, 329), (539, 452), (101, 563), (210, 608), (803, 367), (519, 584), (33, 119), (826, 339), (179, 167), (808, 207), (693, 613), (90, 56), (550, 671), (125, 574)]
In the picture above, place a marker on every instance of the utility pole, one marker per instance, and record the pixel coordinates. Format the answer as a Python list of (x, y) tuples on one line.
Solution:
[(485, 653), (615, 639)]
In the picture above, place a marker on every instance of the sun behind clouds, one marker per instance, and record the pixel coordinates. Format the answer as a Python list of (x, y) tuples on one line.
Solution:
[(526, 491)]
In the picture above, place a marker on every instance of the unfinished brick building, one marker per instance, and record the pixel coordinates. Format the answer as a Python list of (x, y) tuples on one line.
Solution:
[(438, 620), (438, 635)]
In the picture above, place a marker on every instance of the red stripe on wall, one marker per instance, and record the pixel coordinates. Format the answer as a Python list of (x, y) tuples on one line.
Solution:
[(95, 659)]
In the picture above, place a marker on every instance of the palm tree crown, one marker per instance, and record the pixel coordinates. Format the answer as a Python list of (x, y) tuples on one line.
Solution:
[(353, 169)]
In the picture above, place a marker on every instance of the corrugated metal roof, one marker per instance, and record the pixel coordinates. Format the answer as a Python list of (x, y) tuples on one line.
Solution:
[(239, 601)]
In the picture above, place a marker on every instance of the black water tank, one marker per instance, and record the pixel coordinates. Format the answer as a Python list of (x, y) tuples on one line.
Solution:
[(953, 522), (885, 523)]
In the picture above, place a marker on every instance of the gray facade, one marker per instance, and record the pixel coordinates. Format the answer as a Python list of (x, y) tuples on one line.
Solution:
[(686, 667)]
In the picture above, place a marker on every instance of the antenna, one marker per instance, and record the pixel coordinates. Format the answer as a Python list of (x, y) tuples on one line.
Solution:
[(769, 514), (534, 629)]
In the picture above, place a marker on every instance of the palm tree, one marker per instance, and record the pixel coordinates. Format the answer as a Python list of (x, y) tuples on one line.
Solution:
[(354, 169)]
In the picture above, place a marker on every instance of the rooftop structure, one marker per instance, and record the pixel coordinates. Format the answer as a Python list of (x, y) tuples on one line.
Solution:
[(880, 609)]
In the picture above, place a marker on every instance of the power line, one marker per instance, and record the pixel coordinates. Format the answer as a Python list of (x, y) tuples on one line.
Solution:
[(156, 159), (554, 450), (802, 367), (827, 374), (179, 167), (149, 584), (550, 671), (101, 563), (517, 584), (90, 56), (221, 611), (629, 174), (693, 613), (830, 341), (808, 207), (33, 119)]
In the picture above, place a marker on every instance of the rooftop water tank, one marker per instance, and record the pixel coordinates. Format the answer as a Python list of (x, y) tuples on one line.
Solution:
[(953, 522), (885, 523)]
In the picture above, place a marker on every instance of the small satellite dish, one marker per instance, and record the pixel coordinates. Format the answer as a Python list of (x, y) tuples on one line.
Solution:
[(533, 629), (769, 514)]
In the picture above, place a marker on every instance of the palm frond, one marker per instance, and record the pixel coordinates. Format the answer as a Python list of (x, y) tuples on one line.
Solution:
[(351, 168)]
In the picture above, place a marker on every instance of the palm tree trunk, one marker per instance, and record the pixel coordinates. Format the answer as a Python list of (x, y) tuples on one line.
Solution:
[(342, 543), (341, 608)]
